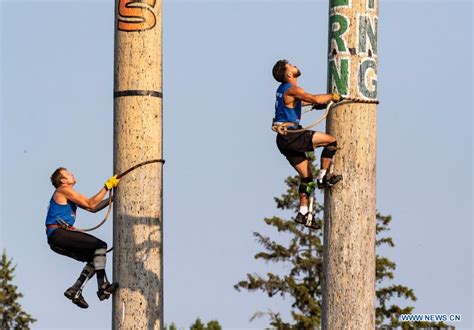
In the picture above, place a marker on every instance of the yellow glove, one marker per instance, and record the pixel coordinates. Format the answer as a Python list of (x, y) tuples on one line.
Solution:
[(336, 97), (112, 183)]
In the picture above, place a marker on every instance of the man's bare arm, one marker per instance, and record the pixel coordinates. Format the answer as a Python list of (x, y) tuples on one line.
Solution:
[(89, 204), (103, 204), (300, 94)]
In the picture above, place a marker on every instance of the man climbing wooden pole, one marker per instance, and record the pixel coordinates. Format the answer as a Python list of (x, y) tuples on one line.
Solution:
[(138, 223), (349, 219)]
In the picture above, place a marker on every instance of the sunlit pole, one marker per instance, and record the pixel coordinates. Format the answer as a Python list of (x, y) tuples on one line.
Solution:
[(138, 223), (350, 206)]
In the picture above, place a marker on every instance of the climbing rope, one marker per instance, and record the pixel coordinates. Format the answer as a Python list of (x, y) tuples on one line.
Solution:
[(282, 128), (119, 176)]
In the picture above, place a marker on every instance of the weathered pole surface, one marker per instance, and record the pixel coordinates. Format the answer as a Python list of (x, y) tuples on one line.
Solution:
[(138, 254), (350, 208)]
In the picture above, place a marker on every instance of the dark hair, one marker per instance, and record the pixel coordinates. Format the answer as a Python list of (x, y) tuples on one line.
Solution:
[(279, 70), (57, 176)]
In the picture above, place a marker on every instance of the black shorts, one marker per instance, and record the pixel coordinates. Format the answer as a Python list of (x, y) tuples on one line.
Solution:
[(75, 244), (295, 145)]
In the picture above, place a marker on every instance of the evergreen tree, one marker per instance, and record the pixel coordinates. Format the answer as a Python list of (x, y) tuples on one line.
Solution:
[(172, 326), (11, 314), (211, 325), (198, 325), (303, 255)]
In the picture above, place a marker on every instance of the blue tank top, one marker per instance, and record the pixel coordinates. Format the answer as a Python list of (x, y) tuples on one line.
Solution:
[(56, 212), (282, 112)]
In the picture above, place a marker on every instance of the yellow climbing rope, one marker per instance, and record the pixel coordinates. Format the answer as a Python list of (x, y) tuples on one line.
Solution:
[(119, 176)]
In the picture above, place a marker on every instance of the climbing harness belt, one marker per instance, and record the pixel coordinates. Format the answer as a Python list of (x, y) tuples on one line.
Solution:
[(119, 176), (282, 127)]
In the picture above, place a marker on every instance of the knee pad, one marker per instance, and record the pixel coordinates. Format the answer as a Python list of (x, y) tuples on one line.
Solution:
[(329, 150), (306, 185), (99, 259)]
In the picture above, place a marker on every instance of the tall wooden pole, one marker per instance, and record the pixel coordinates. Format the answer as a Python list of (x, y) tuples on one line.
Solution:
[(350, 210), (138, 223)]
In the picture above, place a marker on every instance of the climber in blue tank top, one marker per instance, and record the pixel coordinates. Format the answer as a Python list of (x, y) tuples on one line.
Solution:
[(65, 240), (60, 214), (289, 100), (282, 112)]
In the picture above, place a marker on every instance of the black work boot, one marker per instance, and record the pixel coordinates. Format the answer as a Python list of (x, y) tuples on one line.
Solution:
[(328, 181), (312, 224), (106, 289), (303, 219), (300, 218), (75, 295)]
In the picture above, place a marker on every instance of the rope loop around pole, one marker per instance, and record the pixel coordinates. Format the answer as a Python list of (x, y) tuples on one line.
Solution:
[(119, 176), (283, 127)]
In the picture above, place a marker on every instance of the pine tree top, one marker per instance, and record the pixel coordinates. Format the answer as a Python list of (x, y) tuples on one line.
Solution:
[(12, 315)]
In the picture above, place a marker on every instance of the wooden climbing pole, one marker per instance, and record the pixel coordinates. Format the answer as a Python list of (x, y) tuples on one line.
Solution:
[(350, 210), (138, 222)]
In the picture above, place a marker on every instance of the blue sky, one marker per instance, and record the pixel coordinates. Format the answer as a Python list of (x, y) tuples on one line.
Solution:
[(222, 166)]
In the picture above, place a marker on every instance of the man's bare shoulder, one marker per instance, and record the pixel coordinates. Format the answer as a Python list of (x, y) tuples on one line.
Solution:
[(295, 90), (64, 189), (65, 192), (59, 196)]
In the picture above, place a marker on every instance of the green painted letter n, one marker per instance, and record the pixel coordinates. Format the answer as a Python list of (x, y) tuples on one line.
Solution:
[(339, 78)]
